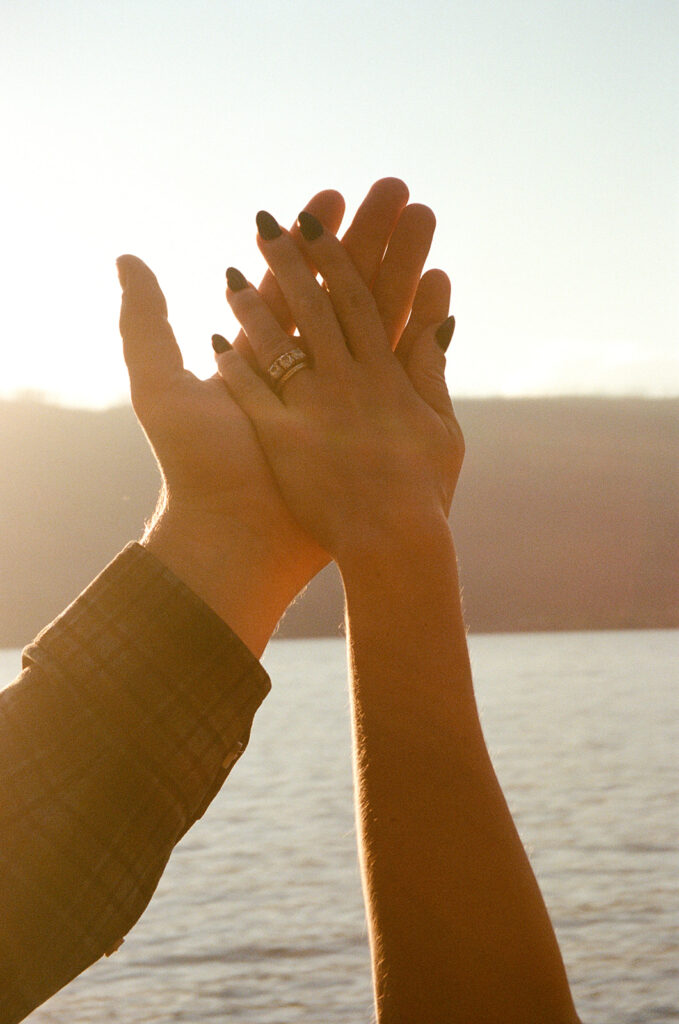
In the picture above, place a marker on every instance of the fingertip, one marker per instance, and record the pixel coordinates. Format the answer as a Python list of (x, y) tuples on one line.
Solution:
[(123, 264), (424, 214), (436, 278), (395, 186), (328, 206), (268, 227), (235, 280), (328, 199), (142, 296), (127, 264), (310, 227), (136, 277), (220, 344), (433, 295), (330, 195)]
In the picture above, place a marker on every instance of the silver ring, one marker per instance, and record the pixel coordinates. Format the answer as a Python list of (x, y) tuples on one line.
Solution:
[(286, 366)]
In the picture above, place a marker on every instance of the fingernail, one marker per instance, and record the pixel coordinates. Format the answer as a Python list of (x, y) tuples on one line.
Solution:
[(310, 226), (444, 333), (267, 226), (220, 344), (235, 280)]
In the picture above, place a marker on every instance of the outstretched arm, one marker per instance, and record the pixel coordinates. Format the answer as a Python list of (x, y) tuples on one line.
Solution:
[(366, 451)]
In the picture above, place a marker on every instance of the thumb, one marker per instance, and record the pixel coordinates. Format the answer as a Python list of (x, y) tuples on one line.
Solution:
[(426, 364), (151, 352)]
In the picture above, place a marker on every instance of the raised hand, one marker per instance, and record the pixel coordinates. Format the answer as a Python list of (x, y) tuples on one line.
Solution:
[(222, 524), (358, 440)]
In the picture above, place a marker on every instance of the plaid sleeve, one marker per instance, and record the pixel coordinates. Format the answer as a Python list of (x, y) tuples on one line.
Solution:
[(132, 707)]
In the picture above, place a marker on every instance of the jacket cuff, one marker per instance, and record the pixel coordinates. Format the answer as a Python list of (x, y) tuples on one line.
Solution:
[(174, 684)]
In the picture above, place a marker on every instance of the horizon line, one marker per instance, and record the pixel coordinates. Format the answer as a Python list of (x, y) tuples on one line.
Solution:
[(36, 397)]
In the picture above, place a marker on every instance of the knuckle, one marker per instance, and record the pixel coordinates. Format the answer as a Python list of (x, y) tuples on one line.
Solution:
[(270, 349), (354, 296), (312, 305)]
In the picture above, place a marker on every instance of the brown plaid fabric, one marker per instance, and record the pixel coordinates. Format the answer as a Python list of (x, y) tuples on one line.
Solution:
[(132, 707)]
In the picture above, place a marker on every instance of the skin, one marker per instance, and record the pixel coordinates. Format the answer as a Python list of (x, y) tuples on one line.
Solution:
[(222, 525), (366, 451)]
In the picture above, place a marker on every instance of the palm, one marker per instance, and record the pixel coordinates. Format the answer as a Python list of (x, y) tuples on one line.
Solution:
[(212, 462)]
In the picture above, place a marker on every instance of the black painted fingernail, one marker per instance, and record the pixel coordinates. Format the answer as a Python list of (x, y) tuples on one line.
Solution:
[(220, 344), (267, 226), (310, 226), (444, 333), (235, 280)]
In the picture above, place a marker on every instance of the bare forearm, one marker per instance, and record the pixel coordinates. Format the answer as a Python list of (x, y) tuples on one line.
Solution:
[(361, 442), (458, 927)]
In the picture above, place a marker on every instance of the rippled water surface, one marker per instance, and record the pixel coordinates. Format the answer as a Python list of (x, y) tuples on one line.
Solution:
[(258, 918)]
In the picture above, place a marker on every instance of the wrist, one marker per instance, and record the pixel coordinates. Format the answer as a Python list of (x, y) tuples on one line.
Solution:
[(405, 624), (406, 541), (228, 566)]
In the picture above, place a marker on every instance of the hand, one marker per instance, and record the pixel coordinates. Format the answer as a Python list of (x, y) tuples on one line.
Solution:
[(222, 525), (362, 445)]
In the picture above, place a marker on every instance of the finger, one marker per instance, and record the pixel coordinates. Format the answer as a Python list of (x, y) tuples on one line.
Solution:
[(399, 273), (352, 300), (328, 206), (430, 306), (151, 352), (426, 368), (267, 339), (366, 238), (257, 401), (309, 303)]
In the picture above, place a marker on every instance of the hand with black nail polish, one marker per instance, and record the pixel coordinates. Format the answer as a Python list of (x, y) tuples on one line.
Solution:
[(360, 449)]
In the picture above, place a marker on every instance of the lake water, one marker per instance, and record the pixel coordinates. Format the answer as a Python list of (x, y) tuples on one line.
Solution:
[(259, 920)]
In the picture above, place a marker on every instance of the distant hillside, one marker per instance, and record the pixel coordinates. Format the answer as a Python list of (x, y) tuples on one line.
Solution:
[(566, 516)]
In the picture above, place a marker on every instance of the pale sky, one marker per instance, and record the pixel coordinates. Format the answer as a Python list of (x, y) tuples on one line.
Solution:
[(542, 132)]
